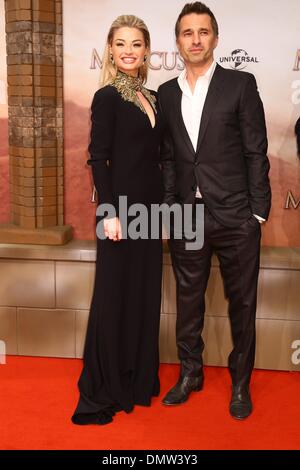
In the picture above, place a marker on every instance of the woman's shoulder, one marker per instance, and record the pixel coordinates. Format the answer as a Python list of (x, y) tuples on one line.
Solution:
[(106, 94)]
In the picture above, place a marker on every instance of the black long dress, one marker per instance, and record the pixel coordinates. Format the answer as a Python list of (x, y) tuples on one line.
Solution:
[(121, 357)]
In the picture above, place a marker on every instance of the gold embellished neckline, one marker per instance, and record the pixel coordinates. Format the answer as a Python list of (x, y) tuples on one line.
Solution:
[(128, 86)]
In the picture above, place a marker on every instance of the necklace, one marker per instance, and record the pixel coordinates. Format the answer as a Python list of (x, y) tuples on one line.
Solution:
[(128, 86)]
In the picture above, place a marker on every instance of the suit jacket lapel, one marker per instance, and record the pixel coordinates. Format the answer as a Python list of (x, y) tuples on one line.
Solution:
[(212, 96), (179, 120)]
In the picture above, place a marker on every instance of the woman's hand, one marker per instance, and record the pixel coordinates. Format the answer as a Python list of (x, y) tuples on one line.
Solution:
[(112, 229)]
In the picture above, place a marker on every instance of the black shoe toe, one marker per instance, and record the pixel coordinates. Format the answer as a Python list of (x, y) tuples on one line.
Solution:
[(181, 391), (240, 405)]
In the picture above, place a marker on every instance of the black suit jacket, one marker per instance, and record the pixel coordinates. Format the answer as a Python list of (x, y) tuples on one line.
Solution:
[(230, 165)]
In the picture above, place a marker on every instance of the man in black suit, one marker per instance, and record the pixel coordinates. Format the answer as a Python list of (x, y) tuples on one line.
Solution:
[(214, 153)]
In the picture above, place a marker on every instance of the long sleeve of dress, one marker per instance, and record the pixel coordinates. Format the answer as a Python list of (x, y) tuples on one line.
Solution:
[(100, 148)]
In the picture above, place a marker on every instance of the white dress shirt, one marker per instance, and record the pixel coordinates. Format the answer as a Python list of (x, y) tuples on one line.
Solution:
[(192, 107), (192, 104)]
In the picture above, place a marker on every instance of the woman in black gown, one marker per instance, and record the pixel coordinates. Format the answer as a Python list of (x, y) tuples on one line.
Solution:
[(121, 357)]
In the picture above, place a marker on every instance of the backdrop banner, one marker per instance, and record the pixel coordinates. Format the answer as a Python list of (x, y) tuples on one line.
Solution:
[(257, 37)]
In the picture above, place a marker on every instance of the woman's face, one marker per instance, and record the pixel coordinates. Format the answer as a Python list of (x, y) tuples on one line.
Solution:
[(128, 49)]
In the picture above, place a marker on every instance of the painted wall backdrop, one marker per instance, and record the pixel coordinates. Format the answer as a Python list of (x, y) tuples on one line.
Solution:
[(258, 37), (4, 186)]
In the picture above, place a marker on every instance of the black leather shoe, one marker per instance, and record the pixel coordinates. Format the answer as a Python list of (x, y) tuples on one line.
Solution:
[(182, 390), (240, 404)]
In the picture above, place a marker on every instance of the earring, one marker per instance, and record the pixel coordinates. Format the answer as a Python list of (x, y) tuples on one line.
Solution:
[(112, 59), (145, 58)]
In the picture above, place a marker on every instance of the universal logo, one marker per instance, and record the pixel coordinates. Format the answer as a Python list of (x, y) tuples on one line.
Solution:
[(239, 59), (159, 60)]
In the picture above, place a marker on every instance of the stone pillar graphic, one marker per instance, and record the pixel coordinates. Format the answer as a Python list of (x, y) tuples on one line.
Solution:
[(35, 106)]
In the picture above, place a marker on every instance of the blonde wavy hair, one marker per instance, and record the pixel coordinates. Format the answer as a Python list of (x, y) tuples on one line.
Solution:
[(109, 70)]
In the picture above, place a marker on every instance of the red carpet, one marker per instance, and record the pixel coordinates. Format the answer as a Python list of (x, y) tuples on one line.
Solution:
[(38, 396)]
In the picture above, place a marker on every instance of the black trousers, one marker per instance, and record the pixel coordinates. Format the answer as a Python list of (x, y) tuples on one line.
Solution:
[(238, 251)]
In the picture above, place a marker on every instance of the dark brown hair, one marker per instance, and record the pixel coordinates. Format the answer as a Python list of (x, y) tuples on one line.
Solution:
[(200, 9)]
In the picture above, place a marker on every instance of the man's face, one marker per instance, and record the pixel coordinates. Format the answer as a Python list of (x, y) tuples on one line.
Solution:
[(196, 40)]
